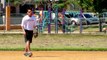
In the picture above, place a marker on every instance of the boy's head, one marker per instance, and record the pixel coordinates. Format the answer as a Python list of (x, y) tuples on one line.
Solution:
[(29, 12)]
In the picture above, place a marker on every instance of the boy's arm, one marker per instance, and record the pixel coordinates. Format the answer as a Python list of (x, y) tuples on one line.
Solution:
[(22, 25), (23, 28)]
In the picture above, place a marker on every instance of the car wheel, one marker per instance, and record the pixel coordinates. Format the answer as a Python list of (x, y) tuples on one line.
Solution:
[(73, 23), (88, 23)]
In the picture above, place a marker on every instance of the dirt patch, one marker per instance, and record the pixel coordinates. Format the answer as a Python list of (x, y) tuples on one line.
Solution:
[(54, 55)]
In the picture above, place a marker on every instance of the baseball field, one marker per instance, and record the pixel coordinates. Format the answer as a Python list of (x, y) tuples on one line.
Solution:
[(54, 55), (55, 47)]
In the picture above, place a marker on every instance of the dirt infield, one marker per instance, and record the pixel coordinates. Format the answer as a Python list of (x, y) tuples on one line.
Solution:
[(54, 55)]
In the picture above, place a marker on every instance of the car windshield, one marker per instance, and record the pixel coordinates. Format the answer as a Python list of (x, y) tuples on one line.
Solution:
[(87, 15), (78, 16), (67, 15)]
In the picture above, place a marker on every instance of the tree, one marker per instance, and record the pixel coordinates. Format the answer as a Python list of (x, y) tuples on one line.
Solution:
[(86, 5), (17, 3), (93, 5), (67, 4), (96, 6), (99, 6)]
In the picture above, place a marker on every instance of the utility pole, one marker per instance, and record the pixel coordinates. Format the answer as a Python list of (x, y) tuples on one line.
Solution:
[(8, 16)]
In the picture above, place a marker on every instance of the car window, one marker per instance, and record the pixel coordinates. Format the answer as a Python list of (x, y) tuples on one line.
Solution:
[(71, 15), (67, 15), (78, 16), (87, 15)]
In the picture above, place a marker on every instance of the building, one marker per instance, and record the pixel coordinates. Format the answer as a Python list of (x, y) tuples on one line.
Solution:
[(18, 8), (25, 4)]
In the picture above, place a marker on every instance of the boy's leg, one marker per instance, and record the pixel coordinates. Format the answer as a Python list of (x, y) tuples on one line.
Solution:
[(27, 49), (27, 46), (28, 40)]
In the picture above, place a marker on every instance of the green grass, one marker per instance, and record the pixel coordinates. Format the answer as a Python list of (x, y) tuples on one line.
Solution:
[(57, 42), (91, 28), (55, 49)]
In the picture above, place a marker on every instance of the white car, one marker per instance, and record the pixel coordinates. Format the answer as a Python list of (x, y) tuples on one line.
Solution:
[(85, 18), (92, 14)]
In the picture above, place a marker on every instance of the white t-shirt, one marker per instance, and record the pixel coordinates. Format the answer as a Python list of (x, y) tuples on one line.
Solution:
[(28, 22), (36, 19)]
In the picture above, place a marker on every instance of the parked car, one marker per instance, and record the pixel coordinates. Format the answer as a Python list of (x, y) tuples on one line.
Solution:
[(85, 18), (74, 20), (92, 14), (90, 19), (14, 18), (66, 20)]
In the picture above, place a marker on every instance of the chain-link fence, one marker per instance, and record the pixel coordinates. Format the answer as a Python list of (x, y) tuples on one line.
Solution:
[(63, 25)]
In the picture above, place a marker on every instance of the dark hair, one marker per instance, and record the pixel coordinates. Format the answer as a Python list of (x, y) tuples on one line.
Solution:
[(29, 9)]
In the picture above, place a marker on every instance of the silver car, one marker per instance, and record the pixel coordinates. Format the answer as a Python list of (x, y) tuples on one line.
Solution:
[(84, 18)]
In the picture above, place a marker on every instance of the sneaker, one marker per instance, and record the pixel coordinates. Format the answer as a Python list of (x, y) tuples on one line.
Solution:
[(30, 54), (26, 54)]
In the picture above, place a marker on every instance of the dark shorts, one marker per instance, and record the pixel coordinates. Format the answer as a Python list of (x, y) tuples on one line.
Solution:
[(28, 36)]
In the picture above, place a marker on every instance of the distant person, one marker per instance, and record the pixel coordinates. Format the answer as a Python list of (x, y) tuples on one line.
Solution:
[(61, 23), (41, 15), (28, 24)]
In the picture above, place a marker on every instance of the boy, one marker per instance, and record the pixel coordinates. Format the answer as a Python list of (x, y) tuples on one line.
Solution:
[(28, 24)]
